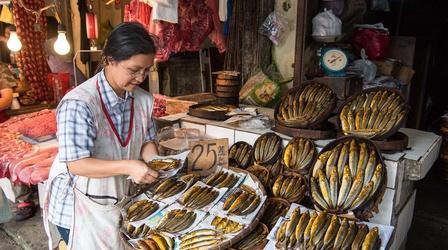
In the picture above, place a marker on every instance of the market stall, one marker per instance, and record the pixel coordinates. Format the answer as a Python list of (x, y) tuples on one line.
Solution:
[(280, 150), (28, 149), (403, 168)]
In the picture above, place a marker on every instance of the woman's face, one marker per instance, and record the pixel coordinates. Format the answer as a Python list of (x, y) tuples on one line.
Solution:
[(127, 75)]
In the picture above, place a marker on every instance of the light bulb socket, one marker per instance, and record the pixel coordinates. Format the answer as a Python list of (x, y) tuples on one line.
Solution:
[(61, 28)]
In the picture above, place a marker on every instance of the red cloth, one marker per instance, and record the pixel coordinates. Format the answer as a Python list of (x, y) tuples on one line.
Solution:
[(197, 19), (216, 36)]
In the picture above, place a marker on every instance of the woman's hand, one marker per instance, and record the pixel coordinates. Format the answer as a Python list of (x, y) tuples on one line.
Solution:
[(141, 172)]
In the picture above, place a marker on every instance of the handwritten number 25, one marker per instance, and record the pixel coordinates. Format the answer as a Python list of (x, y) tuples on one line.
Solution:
[(201, 151)]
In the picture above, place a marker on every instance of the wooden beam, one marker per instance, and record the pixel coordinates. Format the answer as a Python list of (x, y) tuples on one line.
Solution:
[(302, 7)]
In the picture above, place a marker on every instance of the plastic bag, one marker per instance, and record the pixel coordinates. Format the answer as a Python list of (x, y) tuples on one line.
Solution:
[(337, 6), (326, 24), (275, 27), (364, 68), (374, 39), (260, 90)]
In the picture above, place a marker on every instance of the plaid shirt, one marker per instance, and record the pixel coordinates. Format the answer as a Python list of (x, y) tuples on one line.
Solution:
[(76, 138)]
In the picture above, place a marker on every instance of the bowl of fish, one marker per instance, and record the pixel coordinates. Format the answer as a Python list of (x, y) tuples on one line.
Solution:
[(211, 111), (267, 148), (375, 113), (299, 154), (349, 175), (306, 106), (240, 153)]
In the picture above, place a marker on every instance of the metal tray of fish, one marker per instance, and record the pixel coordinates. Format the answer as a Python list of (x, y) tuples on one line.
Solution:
[(211, 111), (375, 113), (348, 176), (305, 106)]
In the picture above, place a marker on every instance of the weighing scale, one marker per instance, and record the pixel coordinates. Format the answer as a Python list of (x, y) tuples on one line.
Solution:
[(333, 61)]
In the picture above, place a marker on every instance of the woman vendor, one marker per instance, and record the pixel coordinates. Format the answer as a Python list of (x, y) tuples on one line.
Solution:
[(105, 136)]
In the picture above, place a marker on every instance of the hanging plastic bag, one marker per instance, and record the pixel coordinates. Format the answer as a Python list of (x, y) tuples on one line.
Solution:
[(275, 27), (374, 39), (364, 68), (326, 24)]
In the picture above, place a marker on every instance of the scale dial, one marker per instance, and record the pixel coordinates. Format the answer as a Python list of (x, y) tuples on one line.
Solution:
[(335, 60)]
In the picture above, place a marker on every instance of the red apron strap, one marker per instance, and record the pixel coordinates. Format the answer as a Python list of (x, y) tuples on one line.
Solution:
[(109, 119)]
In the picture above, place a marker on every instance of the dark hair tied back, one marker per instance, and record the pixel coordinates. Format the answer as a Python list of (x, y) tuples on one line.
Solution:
[(128, 39)]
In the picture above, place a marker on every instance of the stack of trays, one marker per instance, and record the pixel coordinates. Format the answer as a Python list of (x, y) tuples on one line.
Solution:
[(228, 85)]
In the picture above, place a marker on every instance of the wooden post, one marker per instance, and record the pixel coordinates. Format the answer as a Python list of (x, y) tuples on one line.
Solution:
[(302, 7)]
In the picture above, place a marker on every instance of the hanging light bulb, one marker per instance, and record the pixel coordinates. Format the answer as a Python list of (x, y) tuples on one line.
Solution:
[(13, 42), (61, 46)]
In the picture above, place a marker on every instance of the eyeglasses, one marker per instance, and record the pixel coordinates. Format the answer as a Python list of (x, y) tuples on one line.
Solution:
[(135, 74)]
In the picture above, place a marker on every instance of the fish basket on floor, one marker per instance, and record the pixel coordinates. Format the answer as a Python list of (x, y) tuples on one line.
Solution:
[(306, 106), (348, 177), (375, 113)]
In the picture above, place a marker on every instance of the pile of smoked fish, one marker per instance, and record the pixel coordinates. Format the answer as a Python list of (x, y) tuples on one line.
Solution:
[(164, 164), (256, 239), (242, 202), (289, 187), (299, 154), (318, 230), (302, 109), (201, 239), (173, 186), (241, 154), (222, 179), (155, 241), (275, 209), (267, 148), (216, 107), (198, 197), (346, 176), (141, 209), (373, 114), (177, 220)]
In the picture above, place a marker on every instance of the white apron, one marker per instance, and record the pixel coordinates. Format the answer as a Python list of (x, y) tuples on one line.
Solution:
[(97, 201)]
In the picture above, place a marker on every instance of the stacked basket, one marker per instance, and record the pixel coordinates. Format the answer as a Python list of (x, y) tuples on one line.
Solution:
[(228, 85)]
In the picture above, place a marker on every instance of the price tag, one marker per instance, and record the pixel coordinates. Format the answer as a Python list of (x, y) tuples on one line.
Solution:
[(205, 155)]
